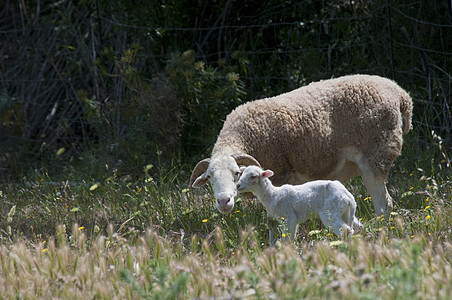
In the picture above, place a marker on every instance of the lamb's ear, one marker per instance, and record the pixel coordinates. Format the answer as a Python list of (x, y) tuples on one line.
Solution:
[(243, 159), (198, 176), (267, 173), (242, 169)]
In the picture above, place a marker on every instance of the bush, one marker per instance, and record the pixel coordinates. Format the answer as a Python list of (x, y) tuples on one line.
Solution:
[(208, 94)]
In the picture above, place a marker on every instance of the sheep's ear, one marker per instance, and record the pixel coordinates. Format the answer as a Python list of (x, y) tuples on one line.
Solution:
[(242, 169), (200, 181), (198, 173), (267, 173)]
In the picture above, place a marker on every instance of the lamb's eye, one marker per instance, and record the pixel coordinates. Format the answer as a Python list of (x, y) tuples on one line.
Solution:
[(252, 177)]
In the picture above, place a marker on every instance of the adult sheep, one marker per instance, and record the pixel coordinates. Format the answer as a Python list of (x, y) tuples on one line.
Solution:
[(332, 129)]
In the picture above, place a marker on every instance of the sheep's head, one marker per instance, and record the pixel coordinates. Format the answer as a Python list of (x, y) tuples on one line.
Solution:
[(223, 173), (251, 178)]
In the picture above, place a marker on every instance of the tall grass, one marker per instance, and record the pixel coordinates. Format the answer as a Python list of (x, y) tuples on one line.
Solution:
[(156, 268), (116, 237)]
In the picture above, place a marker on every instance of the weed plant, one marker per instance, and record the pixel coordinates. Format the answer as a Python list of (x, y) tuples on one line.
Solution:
[(118, 237)]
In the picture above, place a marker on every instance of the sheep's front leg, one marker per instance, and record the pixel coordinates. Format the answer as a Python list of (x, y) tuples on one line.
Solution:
[(380, 197), (272, 229), (376, 187)]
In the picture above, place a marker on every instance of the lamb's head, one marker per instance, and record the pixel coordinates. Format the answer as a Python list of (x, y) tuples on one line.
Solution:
[(223, 172), (251, 178)]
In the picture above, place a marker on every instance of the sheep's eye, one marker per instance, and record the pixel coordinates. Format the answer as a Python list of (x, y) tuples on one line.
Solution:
[(252, 177)]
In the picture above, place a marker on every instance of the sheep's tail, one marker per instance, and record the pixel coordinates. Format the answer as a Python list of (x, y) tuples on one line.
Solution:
[(406, 109)]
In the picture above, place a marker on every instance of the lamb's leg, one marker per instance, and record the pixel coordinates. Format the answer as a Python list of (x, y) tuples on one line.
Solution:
[(353, 221), (339, 227), (292, 226), (350, 219), (326, 218), (356, 224), (272, 229), (348, 215), (335, 222)]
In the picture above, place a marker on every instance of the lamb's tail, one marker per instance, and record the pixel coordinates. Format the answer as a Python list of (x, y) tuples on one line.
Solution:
[(406, 109)]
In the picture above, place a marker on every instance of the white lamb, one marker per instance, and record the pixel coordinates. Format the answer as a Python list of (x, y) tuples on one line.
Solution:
[(326, 199)]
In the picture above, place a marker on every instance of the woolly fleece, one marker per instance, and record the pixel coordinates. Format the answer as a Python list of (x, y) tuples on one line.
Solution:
[(303, 134)]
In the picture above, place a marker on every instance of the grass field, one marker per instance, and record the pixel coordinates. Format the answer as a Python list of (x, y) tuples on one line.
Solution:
[(118, 237)]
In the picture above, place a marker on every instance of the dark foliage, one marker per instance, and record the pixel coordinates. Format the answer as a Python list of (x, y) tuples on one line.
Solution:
[(128, 83)]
